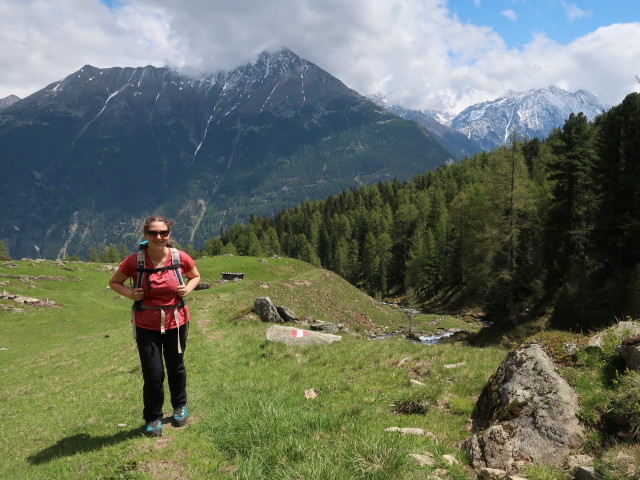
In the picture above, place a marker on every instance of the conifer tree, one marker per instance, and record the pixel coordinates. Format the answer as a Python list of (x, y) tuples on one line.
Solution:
[(213, 247), (94, 257), (570, 214), (253, 245), (472, 243), (616, 249), (110, 254), (509, 187)]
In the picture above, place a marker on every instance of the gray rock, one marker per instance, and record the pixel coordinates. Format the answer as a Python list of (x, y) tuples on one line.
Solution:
[(621, 330), (491, 473), (266, 310), (423, 459), (287, 314), (451, 460), (526, 413), (630, 351), (319, 325), (585, 473), (322, 326), (574, 461), (407, 430), (299, 337), (455, 365)]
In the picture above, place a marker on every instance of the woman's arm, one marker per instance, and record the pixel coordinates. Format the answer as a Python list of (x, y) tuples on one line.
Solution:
[(116, 282), (193, 279)]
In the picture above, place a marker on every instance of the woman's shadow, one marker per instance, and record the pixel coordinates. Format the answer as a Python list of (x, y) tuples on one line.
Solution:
[(80, 443)]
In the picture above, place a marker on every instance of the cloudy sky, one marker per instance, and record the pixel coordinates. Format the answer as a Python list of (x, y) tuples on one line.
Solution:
[(423, 54)]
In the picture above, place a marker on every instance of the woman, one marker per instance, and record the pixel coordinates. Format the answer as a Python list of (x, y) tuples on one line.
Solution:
[(160, 318)]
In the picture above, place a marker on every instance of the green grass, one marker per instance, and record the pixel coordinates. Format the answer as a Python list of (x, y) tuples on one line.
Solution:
[(71, 383)]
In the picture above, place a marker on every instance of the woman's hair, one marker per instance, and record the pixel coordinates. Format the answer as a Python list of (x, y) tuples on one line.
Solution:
[(155, 218)]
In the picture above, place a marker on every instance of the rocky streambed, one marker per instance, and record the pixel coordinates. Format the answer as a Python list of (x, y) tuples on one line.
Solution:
[(422, 330)]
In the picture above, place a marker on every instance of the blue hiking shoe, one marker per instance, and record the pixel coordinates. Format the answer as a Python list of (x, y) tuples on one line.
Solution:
[(154, 429), (180, 416)]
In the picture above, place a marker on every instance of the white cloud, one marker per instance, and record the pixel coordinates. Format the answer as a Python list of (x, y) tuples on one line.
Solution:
[(574, 12), (45, 41), (414, 51), (510, 14)]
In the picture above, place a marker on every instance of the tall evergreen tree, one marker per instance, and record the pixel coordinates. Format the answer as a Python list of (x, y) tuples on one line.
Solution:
[(572, 189), (617, 223), (472, 242), (510, 194)]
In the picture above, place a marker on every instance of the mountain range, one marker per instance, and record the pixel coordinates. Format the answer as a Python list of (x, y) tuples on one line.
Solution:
[(453, 140), (87, 157), (488, 125)]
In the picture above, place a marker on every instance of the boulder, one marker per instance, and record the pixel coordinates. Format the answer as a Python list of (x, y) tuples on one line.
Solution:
[(621, 330), (322, 326), (299, 337), (585, 473), (630, 351), (266, 310), (287, 314), (526, 413)]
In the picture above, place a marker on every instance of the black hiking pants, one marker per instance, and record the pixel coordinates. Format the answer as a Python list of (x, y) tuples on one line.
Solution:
[(152, 347)]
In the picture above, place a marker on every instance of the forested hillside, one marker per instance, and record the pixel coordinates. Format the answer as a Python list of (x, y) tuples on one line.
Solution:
[(535, 227)]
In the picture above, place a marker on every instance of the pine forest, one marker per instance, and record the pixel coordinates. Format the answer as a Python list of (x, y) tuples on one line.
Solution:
[(533, 228)]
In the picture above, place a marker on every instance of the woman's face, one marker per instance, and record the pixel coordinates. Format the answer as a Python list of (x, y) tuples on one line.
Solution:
[(158, 234)]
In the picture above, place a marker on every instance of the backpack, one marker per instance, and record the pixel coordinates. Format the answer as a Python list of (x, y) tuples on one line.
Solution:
[(139, 306)]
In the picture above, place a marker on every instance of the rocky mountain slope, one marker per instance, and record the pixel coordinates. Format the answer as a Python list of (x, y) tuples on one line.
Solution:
[(488, 125), (453, 140), (531, 114), (87, 157), (8, 101)]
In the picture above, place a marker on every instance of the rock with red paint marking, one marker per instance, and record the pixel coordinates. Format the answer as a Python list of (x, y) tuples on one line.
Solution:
[(298, 336)]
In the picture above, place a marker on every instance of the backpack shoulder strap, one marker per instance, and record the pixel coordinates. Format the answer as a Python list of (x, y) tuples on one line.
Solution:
[(175, 260), (140, 268)]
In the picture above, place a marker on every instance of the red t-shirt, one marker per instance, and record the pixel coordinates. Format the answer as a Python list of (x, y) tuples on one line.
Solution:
[(162, 293)]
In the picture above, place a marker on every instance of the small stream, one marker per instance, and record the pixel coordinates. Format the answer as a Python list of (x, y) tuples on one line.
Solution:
[(426, 339)]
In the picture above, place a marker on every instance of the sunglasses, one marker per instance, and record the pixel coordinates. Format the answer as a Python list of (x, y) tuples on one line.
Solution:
[(155, 233)]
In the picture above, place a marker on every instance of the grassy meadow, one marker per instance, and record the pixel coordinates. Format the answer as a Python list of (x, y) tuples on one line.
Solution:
[(71, 383)]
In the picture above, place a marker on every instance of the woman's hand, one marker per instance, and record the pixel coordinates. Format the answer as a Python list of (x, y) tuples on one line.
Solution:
[(116, 282), (182, 291)]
